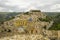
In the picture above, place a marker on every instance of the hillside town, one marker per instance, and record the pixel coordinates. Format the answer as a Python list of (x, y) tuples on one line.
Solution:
[(31, 25)]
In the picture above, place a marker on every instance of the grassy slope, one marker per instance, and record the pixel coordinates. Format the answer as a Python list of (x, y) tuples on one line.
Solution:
[(56, 18)]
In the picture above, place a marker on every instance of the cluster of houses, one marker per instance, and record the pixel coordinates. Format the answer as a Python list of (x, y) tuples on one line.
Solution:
[(28, 24)]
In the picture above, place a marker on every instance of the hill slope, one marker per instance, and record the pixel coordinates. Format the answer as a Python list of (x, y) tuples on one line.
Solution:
[(32, 23)]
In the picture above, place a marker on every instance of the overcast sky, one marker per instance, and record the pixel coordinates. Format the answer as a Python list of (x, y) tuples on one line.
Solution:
[(25, 5)]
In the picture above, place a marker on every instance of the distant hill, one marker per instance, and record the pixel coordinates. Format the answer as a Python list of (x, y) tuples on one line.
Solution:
[(7, 15)]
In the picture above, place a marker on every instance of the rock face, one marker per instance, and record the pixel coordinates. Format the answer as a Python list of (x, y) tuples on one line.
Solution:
[(28, 23)]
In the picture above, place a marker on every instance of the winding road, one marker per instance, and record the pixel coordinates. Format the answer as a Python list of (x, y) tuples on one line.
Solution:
[(51, 23)]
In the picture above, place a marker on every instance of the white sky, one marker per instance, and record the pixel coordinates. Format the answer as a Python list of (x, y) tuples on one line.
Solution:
[(24, 5)]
